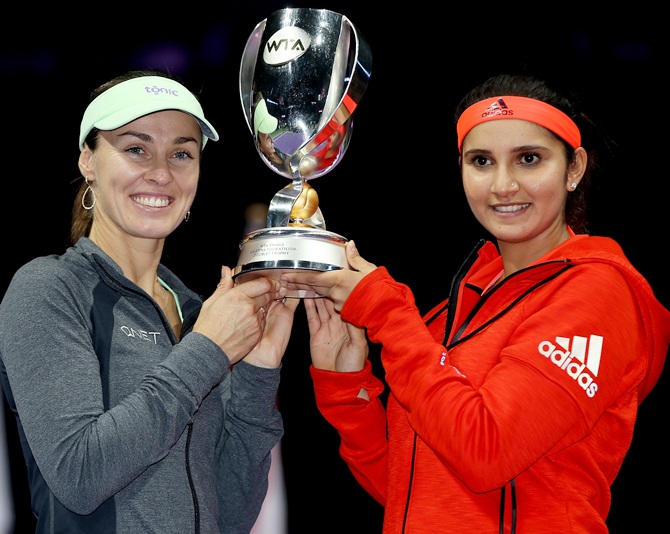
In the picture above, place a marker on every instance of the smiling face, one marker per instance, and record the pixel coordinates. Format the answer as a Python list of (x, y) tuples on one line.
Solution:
[(144, 175), (516, 179)]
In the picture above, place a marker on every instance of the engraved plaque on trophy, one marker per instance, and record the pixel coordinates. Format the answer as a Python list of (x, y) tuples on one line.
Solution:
[(302, 75)]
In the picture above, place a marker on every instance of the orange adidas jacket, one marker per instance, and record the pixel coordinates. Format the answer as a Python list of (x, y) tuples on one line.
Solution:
[(510, 412)]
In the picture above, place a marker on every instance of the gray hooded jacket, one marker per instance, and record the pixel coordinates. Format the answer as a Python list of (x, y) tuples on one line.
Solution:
[(124, 428)]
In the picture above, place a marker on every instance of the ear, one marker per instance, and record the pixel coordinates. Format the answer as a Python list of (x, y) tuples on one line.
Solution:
[(86, 164), (577, 168)]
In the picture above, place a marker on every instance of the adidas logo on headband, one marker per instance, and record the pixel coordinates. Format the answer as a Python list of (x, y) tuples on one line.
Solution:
[(497, 108)]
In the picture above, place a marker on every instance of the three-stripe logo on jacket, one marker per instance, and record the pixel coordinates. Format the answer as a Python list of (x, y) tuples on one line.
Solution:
[(578, 356)]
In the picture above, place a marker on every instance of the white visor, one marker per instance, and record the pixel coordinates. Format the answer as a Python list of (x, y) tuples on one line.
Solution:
[(132, 99)]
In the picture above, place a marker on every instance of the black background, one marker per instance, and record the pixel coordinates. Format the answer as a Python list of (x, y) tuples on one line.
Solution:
[(396, 192)]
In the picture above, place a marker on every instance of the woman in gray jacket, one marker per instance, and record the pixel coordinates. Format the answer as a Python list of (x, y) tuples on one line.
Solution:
[(140, 407)]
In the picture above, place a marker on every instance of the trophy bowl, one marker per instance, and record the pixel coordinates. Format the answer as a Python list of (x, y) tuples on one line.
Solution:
[(302, 75)]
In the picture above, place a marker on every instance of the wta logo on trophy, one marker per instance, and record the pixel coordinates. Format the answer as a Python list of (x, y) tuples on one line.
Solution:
[(286, 45), (303, 73)]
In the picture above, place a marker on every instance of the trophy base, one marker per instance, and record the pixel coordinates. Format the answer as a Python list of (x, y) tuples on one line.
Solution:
[(271, 251)]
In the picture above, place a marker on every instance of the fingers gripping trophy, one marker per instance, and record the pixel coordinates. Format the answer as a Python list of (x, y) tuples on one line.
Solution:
[(302, 75)]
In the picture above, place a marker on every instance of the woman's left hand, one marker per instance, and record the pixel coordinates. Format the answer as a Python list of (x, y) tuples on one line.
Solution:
[(334, 344)]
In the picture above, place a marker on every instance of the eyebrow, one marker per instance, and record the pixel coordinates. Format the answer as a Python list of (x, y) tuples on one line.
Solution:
[(139, 135)]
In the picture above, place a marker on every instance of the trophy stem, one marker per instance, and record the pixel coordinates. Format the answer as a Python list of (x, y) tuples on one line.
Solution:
[(296, 205), (281, 205)]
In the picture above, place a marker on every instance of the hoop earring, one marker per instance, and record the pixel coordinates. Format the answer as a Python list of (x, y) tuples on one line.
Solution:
[(188, 216), (83, 198)]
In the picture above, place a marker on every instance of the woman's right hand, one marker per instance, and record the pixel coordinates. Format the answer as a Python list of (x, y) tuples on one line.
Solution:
[(337, 285), (334, 344), (234, 315), (276, 335)]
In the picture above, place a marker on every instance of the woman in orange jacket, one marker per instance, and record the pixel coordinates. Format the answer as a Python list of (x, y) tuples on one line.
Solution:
[(513, 402)]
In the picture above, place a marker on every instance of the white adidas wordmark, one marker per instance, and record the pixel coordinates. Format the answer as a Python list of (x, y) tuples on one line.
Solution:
[(581, 361)]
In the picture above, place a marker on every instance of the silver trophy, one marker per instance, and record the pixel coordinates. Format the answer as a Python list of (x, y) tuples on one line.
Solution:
[(302, 75)]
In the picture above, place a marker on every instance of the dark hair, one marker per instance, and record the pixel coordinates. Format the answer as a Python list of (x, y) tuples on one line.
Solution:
[(82, 219), (593, 142)]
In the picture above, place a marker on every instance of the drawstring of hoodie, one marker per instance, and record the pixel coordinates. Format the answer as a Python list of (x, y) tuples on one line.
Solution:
[(502, 508)]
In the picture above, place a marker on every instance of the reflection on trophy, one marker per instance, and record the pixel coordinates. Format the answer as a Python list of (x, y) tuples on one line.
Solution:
[(302, 75)]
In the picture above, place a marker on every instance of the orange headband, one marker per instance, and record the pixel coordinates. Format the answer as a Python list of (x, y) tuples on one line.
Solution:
[(522, 108)]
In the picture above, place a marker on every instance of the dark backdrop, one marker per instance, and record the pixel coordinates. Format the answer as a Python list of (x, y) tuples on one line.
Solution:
[(396, 192)]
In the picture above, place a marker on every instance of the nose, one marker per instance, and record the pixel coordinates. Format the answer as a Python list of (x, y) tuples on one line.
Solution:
[(504, 182), (159, 172)]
